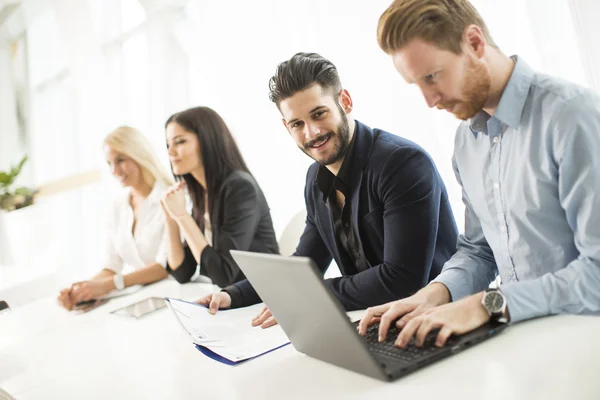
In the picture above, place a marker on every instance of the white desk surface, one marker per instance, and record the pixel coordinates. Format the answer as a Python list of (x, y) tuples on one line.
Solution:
[(48, 353)]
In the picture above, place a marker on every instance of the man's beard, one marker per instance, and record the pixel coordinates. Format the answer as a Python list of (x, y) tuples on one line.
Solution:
[(476, 90), (341, 147)]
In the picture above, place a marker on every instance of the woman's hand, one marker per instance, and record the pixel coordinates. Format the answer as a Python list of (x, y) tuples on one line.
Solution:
[(64, 299), (173, 201), (88, 290)]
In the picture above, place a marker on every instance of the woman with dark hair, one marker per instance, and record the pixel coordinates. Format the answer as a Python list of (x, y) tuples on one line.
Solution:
[(229, 210)]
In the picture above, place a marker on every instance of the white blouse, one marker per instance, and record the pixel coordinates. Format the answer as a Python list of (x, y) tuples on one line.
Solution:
[(207, 229), (148, 243)]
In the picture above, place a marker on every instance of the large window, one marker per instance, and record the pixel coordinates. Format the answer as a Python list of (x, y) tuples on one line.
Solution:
[(94, 65), (87, 78)]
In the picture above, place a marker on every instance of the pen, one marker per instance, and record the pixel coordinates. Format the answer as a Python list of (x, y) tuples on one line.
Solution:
[(85, 302)]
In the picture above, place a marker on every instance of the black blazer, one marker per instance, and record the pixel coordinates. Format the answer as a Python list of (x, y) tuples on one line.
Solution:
[(403, 219), (240, 221)]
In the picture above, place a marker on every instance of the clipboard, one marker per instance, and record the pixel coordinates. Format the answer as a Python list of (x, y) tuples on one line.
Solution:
[(228, 339)]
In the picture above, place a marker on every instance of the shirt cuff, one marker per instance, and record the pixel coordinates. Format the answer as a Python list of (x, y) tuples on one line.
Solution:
[(525, 300), (456, 283), (204, 259), (237, 298), (162, 261)]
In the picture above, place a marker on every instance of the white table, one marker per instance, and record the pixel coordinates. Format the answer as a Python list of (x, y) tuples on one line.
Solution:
[(48, 353)]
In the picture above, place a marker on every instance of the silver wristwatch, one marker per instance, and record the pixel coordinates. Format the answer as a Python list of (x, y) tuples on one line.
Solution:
[(119, 281), (494, 303)]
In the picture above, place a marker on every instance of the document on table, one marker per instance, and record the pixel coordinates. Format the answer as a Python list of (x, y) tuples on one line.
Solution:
[(228, 333)]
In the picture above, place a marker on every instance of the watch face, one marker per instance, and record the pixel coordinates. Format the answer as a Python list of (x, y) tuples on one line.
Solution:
[(493, 302)]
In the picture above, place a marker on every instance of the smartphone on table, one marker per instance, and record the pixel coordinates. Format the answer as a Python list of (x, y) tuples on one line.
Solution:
[(142, 308)]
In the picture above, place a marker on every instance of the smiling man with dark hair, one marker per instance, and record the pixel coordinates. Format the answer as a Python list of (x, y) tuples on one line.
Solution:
[(375, 201)]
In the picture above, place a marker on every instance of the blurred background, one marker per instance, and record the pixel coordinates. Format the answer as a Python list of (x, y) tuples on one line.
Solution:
[(73, 70)]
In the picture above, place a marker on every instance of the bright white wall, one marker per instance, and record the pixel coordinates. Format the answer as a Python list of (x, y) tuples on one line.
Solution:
[(231, 67), (94, 65), (585, 15)]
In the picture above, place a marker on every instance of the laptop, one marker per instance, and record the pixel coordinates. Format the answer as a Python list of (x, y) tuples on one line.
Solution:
[(5, 396), (317, 324)]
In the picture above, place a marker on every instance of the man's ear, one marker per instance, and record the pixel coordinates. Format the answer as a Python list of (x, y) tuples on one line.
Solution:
[(474, 40), (346, 101)]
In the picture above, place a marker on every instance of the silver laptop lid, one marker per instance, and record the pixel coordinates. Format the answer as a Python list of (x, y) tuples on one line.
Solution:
[(313, 319)]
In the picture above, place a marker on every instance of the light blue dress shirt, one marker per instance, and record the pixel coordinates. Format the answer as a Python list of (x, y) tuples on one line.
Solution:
[(530, 176)]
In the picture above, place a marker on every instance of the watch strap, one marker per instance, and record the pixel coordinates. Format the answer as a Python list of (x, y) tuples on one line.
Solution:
[(119, 281)]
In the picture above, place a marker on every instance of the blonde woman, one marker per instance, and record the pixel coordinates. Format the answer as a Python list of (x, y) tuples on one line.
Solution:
[(136, 224)]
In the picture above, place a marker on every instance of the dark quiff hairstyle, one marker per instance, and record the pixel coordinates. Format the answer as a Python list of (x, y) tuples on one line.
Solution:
[(300, 72)]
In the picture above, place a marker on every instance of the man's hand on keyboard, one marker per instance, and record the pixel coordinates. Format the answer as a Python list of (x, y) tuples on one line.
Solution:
[(454, 318), (406, 309)]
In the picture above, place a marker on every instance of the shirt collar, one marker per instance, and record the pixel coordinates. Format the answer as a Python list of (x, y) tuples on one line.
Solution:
[(326, 179), (153, 197), (511, 105)]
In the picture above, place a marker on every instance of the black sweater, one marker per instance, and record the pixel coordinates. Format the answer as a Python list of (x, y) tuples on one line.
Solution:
[(240, 221)]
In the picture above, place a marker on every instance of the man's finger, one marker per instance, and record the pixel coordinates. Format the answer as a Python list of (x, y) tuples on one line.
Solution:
[(260, 313), (214, 305), (395, 311), (367, 319), (426, 326), (443, 336), (408, 332), (406, 318), (255, 319), (262, 318), (374, 320), (269, 322)]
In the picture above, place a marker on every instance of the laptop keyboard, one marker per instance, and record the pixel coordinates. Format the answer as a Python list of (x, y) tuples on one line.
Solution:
[(411, 352)]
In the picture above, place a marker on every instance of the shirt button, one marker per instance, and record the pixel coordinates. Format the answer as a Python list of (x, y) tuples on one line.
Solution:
[(497, 140), (346, 224), (511, 274), (357, 255), (503, 229), (496, 185)]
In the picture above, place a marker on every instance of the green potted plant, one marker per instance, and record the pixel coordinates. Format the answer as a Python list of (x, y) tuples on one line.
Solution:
[(13, 199)]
